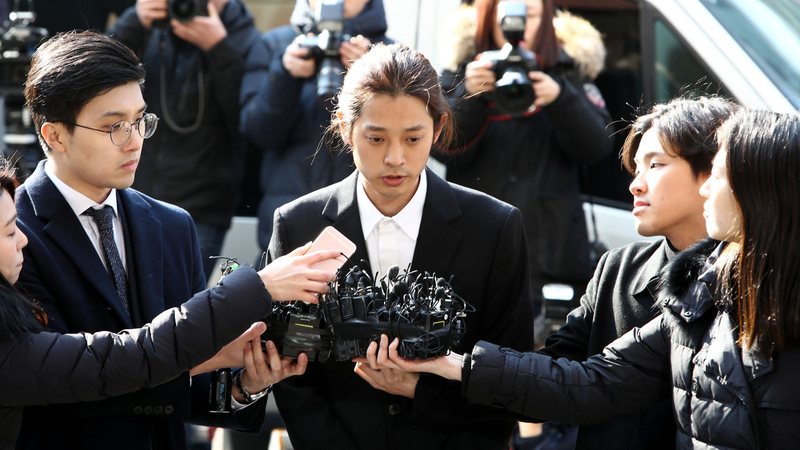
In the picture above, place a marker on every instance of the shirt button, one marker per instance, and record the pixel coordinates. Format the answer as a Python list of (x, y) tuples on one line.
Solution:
[(394, 409), (695, 387)]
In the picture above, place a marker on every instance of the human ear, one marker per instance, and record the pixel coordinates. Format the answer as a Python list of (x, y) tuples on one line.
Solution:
[(54, 135), (439, 127), (343, 128)]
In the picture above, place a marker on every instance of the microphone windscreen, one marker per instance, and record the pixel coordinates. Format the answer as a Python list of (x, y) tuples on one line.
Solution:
[(393, 272)]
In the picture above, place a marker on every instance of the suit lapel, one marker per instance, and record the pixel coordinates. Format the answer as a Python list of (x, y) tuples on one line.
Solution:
[(438, 240), (147, 251), (341, 210), (66, 231)]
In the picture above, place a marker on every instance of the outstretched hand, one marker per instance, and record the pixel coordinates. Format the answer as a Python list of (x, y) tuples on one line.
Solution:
[(381, 373), (292, 276), (448, 366), (263, 369), (231, 355)]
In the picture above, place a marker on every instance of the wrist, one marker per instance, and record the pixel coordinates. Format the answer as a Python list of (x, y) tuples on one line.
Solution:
[(244, 396)]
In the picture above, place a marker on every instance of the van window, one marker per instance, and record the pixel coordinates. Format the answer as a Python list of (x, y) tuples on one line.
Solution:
[(677, 68), (769, 31)]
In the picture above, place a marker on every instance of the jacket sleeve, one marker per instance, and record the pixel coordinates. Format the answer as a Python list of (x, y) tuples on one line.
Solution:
[(43, 368), (581, 127), (226, 63), (508, 319), (270, 96), (571, 341), (630, 375), (130, 31)]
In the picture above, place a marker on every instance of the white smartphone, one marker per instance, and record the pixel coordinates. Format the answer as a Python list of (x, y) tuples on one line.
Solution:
[(332, 239)]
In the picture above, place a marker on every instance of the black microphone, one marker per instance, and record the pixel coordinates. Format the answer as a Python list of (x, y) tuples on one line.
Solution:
[(393, 272)]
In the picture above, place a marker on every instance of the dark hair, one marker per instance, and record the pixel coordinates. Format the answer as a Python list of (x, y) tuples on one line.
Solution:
[(392, 70), (763, 166), (70, 69), (686, 129), (17, 315), (545, 44)]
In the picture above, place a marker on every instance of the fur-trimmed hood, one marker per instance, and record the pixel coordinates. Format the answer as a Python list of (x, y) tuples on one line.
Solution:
[(578, 37), (687, 283)]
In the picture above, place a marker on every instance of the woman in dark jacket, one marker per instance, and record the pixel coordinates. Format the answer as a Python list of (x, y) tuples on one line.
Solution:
[(728, 342), (38, 368), (532, 158)]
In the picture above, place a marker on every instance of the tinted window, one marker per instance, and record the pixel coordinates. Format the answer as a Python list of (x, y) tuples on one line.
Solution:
[(769, 31)]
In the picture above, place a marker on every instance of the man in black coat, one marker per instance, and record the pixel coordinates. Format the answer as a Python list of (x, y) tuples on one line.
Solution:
[(390, 112), (670, 161), (282, 118)]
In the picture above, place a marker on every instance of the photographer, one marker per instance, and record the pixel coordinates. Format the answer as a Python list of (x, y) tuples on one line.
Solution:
[(532, 158), (282, 114), (194, 74)]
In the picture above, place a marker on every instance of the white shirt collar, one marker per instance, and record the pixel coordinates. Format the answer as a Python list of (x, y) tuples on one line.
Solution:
[(408, 219), (77, 201)]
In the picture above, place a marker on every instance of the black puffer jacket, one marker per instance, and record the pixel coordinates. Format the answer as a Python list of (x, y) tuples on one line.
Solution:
[(282, 118), (198, 170), (723, 397), (44, 368)]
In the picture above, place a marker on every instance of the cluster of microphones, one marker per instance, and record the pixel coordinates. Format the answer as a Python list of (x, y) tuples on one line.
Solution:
[(418, 308)]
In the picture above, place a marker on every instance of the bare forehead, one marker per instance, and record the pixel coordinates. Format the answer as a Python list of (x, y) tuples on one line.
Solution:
[(650, 147)]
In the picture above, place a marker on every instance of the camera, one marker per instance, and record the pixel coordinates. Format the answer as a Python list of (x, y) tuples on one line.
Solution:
[(513, 92), (187, 9), (18, 40), (420, 309), (324, 47)]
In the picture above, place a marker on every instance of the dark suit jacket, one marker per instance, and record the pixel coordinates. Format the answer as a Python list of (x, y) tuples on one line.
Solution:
[(65, 275), (477, 239), (620, 296)]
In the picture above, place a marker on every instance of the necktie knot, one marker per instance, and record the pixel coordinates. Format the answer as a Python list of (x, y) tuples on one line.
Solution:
[(104, 217)]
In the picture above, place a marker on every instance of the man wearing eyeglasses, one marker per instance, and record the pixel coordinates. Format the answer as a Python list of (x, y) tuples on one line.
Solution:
[(194, 58), (101, 255)]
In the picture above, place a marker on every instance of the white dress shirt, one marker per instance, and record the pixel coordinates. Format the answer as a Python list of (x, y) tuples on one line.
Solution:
[(391, 240), (80, 203)]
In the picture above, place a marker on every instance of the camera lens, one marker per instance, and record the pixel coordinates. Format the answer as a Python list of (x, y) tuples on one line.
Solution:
[(514, 91), (183, 9), (330, 78)]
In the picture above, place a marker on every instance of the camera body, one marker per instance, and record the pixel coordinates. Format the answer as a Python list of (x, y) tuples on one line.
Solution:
[(18, 41), (513, 92), (187, 9), (324, 47), (420, 309)]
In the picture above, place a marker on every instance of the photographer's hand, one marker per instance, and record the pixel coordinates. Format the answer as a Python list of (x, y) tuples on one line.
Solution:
[(204, 32), (381, 373), (479, 77), (546, 88), (291, 276), (298, 61), (149, 11), (231, 355), (353, 49)]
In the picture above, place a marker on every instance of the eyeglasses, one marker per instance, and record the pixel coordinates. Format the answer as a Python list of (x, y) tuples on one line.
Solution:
[(120, 132)]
